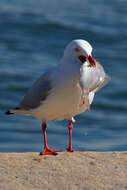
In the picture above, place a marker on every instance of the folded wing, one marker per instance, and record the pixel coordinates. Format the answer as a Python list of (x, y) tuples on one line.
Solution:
[(37, 93)]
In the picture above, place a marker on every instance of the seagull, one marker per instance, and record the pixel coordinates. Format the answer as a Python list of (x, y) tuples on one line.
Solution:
[(65, 90)]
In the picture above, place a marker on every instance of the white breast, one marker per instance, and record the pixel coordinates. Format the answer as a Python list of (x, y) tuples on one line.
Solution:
[(61, 104)]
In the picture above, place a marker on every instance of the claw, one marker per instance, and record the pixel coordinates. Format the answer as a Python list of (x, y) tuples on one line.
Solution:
[(47, 151)]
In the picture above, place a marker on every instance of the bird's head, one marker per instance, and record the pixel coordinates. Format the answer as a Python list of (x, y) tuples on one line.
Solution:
[(81, 51)]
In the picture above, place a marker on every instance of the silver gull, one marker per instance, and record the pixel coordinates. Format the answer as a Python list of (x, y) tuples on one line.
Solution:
[(64, 91)]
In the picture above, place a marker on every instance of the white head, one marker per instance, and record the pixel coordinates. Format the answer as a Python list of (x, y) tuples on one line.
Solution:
[(80, 50)]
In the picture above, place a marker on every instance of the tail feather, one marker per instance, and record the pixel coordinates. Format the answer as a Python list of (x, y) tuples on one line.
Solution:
[(18, 111), (8, 112)]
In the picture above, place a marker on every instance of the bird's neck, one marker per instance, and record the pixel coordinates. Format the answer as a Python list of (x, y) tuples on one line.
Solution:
[(67, 59), (68, 69)]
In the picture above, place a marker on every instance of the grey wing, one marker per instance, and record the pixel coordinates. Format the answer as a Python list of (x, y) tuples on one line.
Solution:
[(37, 93)]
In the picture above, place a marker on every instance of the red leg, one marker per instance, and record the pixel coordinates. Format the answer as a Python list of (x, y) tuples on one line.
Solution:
[(46, 149), (70, 127)]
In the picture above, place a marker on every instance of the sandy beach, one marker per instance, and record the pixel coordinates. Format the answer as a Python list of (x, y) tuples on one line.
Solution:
[(66, 171)]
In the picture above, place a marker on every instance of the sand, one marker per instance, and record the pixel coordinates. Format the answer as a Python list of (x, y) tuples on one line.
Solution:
[(66, 171)]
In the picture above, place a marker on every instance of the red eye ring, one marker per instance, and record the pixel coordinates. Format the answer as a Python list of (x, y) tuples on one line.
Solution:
[(77, 50), (82, 58)]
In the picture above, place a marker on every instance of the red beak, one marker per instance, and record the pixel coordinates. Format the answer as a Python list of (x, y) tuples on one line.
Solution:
[(92, 61)]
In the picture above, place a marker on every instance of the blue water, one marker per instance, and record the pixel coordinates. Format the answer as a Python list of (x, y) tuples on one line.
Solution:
[(33, 35)]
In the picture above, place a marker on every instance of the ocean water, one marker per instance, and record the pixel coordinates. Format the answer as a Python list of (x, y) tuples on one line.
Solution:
[(33, 35)]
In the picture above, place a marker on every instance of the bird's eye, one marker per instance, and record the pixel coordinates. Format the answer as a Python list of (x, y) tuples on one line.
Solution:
[(77, 50), (82, 58)]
